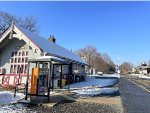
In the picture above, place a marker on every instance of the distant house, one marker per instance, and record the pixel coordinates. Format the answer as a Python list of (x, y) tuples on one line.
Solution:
[(144, 69), (17, 45)]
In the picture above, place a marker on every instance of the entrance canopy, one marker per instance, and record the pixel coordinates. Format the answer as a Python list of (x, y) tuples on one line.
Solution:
[(48, 59)]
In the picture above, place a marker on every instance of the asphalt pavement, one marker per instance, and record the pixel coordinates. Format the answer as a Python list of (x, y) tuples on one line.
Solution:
[(134, 98)]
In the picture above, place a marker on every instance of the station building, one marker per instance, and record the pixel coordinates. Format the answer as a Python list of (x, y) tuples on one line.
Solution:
[(18, 45)]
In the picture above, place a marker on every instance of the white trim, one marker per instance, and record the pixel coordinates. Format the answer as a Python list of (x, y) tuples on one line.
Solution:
[(16, 36), (5, 34), (20, 36)]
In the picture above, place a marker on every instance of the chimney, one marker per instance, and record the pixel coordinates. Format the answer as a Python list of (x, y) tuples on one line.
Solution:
[(52, 39)]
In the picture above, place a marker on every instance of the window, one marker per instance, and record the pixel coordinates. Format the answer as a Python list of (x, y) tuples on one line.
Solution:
[(25, 69), (22, 60), (12, 60), (22, 67), (18, 68), (12, 54), (23, 53), (26, 60), (19, 59), (15, 53), (14, 69), (11, 69), (20, 53), (15, 60), (27, 53)]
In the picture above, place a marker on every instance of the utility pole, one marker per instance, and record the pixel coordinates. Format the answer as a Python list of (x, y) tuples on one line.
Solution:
[(118, 70), (118, 61)]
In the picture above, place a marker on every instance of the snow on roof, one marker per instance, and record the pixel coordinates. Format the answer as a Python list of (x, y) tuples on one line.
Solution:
[(50, 57), (41, 57), (47, 58), (50, 47)]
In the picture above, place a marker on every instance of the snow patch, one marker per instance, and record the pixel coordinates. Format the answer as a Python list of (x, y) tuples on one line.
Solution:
[(17, 108), (111, 75), (92, 81), (106, 75), (141, 76), (144, 76), (7, 97), (95, 91), (94, 86)]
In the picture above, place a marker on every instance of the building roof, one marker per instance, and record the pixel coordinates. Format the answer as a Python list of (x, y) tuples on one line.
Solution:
[(50, 47)]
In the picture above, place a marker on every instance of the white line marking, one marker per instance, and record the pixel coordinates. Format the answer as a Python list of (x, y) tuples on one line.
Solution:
[(140, 86)]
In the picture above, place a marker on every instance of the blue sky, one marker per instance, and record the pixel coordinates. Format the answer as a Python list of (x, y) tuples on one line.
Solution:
[(116, 28)]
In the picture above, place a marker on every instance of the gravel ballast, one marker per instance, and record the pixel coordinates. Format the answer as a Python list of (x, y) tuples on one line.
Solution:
[(77, 107)]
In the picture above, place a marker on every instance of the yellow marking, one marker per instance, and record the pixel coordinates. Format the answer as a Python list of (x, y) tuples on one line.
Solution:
[(140, 86)]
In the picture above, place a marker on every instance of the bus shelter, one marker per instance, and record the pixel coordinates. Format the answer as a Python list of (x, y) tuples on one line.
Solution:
[(40, 77)]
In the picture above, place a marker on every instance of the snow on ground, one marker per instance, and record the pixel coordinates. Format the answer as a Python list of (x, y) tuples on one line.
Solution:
[(17, 108), (144, 76), (111, 75), (141, 76), (92, 81), (95, 91), (8, 102), (94, 85), (107, 75), (91, 87), (7, 97)]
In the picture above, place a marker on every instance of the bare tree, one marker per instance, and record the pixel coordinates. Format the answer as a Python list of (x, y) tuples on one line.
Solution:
[(95, 59), (88, 53), (126, 67), (101, 64), (106, 57), (28, 22), (109, 61), (6, 20)]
